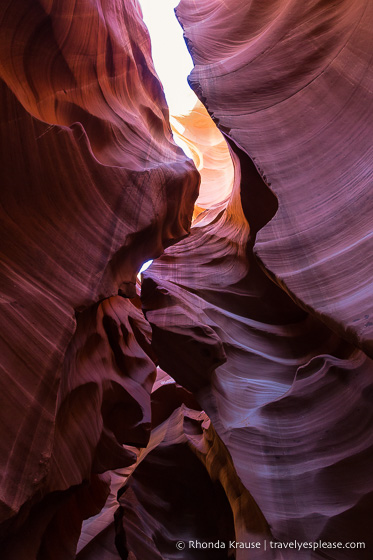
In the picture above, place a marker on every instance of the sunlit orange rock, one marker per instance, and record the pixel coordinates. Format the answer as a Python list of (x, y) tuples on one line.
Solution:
[(239, 407), (290, 83), (92, 186), (268, 346), (210, 153)]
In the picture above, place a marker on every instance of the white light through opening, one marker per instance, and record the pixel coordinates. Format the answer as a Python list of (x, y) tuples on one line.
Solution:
[(172, 61), (145, 266), (171, 58)]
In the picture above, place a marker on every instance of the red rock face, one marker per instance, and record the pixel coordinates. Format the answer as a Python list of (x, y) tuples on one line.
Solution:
[(261, 315), (92, 186), (290, 83), (288, 325), (271, 399)]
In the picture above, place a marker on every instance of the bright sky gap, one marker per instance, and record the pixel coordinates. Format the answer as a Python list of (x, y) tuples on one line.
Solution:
[(171, 58)]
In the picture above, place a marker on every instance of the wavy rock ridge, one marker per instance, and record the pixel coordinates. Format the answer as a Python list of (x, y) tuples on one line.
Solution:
[(288, 396), (239, 407), (92, 186), (291, 85)]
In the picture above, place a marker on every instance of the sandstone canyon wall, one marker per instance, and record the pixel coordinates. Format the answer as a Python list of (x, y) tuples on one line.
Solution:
[(234, 401)]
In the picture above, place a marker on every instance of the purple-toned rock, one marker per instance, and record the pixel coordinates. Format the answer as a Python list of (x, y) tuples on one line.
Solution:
[(290, 84)]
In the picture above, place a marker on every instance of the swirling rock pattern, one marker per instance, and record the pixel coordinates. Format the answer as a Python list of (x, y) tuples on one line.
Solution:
[(103, 410), (264, 430), (288, 397), (287, 394), (291, 84), (210, 154), (92, 186), (156, 505), (159, 506)]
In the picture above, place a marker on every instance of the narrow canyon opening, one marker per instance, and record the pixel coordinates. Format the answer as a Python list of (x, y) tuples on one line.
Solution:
[(223, 403), (192, 127)]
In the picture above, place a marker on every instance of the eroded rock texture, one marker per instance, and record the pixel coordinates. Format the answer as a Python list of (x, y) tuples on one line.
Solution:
[(291, 84), (157, 505), (92, 186), (276, 350), (266, 373), (240, 407), (210, 154)]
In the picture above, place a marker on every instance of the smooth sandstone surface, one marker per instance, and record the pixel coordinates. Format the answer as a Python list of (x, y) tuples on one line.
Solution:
[(92, 186), (269, 345), (291, 84), (287, 396), (210, 154), (234, 401)]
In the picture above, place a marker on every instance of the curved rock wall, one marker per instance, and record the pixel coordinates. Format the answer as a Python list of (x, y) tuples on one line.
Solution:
[(261, 315), (290, 83), (92, 187), (271, 346), (287, 395)]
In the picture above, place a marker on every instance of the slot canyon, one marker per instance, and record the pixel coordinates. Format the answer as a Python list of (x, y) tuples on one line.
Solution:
[(219, 404)]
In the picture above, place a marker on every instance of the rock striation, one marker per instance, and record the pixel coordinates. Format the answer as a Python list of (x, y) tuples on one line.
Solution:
[(290, 84), (279, 386), (92, 186), (210, 154), (267, 302), (233, 402)]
